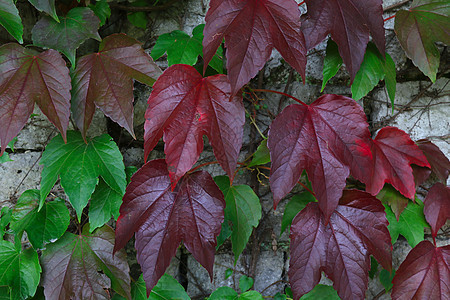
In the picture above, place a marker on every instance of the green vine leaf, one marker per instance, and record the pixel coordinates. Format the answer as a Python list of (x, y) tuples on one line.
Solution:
[(47, 6), (373, 69), (224, 293), (390, 196), (102, 10), (79, 165), (321, 291), (181, 48), (42, 226), (5, 218), (261, 155), (243, 209), (69, 33), (332, 62), (294, 206), (245, 283), (417, 29), (83, 266), (10, 19), (19, 269), (104, 203), (410, 224)]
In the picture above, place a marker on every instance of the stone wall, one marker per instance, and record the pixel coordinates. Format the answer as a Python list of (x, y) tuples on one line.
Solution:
[(421, 110)]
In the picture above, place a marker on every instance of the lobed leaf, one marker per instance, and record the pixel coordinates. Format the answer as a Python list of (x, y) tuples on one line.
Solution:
[(329, 139), (67, 34), (102, 10), (47, 6), (161, 219), (243, 209), (342, 247), (390, 196), (83, 266), (349, 22), (252, 28), (79, 165), (424, 274), (10, 19), (437, 207), (184, 106), (417, 29), (26, 77), (440, 164), (105, 80)]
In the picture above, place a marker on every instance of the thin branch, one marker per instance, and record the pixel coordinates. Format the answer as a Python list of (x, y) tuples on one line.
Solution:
[(143, 8)]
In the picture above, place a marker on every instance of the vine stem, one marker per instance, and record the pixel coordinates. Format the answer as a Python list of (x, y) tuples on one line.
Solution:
[(280, 93), (203, 165), (301, 3), (391, 17), (299, 182)]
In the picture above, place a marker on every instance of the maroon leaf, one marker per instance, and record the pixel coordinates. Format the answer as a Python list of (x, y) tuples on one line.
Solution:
[(26, 77), (329, 139), (184, 106), (349, 23), (356, 230), (437, 207), (420, 174), (440, 165), (252, 28), (83, 266), (424, 274), (192, 213), (393, 153), (105, 80)]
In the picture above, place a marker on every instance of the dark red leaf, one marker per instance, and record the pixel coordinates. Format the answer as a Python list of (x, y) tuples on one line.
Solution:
[(105, 80), (184, 106), (437, 207), (349, 22), (26, 77), (329, 139), (440, 164), (356, 230), (192, 213), (424, 274), (420, 174), (393, 153), (252, 28)]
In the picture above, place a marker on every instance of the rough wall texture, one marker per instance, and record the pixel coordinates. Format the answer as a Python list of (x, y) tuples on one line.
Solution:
[(421, 109)]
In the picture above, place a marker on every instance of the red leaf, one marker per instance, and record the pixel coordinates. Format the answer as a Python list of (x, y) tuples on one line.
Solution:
[(193, 213), (329, 139), (424, 274), (105, 80), (437, 207), (440, 165), (349, 23), (26, 77), (252, 28), (356, 230), (420, 174), (393, 153), (184, 106)]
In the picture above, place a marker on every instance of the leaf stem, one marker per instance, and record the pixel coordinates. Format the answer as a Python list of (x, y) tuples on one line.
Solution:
[(301, 3), (302, 184), (391, 17), (252, 120), (281, 93), (203, 165)]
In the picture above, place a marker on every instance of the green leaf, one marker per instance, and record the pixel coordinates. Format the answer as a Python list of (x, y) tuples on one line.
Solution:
[(5, 293), (386, 279), (294, 206), (181, 48), (243, 209), (261, 155), (129, 171), (104, 203), (373, 267), (417, 29), (228, 273), (12, 143), (332, 62), (79, 165), (321, 291), (224, 293), (47, 6), (85, 261), (138, 19), (102, 10), (167, 288), (225, 233), (5, 218), (251, 295), (369, 74), (42, 226), (10, 19), (245, 283), (390, 196), (19, 269), (410, 224), (279, 296), (390, 78), (5, 158), (66, 36)]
